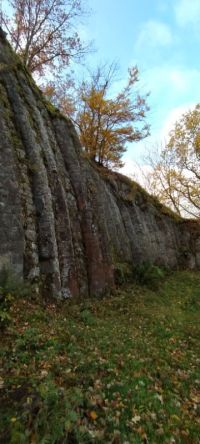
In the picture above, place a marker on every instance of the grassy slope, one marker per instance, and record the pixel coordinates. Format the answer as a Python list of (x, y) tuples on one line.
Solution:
[(122, 370)]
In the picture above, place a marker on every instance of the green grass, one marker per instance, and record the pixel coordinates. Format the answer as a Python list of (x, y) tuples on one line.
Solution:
[(125, 369)]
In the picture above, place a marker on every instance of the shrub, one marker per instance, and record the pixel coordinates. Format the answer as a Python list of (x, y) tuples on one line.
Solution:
[(149, 275)]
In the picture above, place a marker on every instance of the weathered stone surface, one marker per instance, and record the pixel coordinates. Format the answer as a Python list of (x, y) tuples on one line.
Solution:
[(64, 222)]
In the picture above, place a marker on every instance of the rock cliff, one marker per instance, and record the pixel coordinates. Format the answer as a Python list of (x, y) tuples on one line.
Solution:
[(64, 222)]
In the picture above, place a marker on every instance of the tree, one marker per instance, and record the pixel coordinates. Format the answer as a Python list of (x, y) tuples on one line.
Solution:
[(175, 177), (105, 123), (61, 94), (42, 32)]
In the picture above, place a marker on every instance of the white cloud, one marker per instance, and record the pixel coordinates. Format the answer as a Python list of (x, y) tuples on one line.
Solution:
[(129, 168), (187, 12), (135, 171), (173, 81), (154, 34), (174, 115), (174, 90)]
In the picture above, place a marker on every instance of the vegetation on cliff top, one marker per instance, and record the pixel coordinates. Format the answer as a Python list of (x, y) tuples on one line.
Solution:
[(107, 122), (123, 371), (46, 37), (135, 192)]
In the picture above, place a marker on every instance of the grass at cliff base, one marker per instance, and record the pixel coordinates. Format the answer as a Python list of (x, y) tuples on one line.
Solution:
[(125, 369)]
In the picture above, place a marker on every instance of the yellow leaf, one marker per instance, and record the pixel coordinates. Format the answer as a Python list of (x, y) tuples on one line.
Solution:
[(13, 419), (93, 415), (175, 417)]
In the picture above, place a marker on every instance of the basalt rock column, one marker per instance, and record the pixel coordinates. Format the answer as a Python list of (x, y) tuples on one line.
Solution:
[(65, 223)]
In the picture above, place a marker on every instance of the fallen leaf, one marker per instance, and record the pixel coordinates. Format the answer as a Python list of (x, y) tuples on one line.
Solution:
[(93, 415), (13, 419), (135, 419)]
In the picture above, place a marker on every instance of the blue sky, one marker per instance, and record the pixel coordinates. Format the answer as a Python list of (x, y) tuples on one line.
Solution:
[(160, 36)]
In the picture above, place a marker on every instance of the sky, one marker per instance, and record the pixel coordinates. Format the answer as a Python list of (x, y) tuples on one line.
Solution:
[(162, 38)]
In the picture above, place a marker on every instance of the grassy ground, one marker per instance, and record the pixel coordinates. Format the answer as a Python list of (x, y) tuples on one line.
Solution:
[(121, 370)]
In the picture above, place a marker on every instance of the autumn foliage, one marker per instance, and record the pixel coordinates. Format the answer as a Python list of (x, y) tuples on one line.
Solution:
[(42, 32), (175, 176), (107, 122)]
